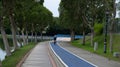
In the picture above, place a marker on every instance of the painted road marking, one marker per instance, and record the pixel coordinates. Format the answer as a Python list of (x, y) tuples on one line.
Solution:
[(69, 59)]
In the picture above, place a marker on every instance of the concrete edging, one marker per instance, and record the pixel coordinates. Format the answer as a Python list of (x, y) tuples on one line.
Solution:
[(55, 58), (24, 58)]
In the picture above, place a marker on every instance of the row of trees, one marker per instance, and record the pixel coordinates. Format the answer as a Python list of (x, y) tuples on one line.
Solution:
[(84, 14), (24, 16)]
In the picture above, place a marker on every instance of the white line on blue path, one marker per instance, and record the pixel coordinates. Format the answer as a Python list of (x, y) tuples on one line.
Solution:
[(58, 56), (78, 56)]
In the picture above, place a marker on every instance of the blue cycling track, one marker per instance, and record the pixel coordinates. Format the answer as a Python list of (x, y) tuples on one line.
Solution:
[(68, 58)]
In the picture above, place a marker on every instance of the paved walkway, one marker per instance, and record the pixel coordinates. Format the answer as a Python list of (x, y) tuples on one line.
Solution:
[(93, 58), (69, 59), (38, 57)]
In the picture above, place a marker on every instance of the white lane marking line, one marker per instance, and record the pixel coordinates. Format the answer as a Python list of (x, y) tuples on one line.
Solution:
[(78, 56), (58, 57)]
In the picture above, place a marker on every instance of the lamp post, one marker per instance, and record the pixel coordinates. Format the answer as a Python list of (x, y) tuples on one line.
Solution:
[(105, 34)]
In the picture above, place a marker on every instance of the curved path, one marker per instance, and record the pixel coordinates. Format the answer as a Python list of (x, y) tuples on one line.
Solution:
[(39, 57), (69, 59)]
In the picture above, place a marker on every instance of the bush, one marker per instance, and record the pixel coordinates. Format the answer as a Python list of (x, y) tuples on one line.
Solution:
[(98, 27)]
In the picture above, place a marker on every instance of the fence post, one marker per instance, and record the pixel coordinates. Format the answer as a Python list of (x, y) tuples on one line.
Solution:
[(95, 46)]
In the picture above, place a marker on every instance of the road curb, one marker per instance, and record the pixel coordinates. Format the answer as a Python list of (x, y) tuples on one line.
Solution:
[(55, 58), (24, 58)]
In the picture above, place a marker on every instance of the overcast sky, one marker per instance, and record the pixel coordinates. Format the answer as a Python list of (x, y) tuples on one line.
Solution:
[(52, 5), (117, 1), (118, 11)]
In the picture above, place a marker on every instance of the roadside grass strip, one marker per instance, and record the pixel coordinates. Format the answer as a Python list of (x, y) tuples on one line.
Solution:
[(69, 59)]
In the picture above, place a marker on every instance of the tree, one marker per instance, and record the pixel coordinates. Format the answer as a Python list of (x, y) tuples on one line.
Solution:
[(20, 19), (68, 15), (23, 17), (9, 8), (82, 13), (112, 7), (92, 14), (22, 9), (42, 18), (6, 44), (5, 41), (41, 2)]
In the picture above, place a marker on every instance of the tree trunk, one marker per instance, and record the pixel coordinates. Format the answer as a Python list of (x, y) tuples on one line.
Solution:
[(92, 36), (23, 37), (5, 41), (41, 36), (7, 47), (72, 35), (32, 30), (83, 43), (111, 37), (111, 41), (26, 37), (19, 39), (111, 26), (0, 63), (35, 37), (32, 36), (13, 31)]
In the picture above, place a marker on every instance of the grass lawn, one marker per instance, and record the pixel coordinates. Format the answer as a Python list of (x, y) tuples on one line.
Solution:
[(100, 40), (16, 56)]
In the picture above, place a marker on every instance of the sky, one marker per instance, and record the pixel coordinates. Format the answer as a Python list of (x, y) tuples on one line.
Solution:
[(118, 11), (52, 5), (117, 1)]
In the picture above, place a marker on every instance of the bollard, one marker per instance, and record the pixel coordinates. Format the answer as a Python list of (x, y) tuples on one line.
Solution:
[(95, 46)]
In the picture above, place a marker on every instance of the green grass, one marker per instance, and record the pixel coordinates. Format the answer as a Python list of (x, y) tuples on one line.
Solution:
[(16, 56), (100, 40)]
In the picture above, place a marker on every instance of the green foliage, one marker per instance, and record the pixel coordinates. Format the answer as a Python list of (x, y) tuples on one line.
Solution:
[(56, 28), (16, 56), (42, 17), (32, 16), (81, 14), (98, 28), (22, 11), (69, 15)]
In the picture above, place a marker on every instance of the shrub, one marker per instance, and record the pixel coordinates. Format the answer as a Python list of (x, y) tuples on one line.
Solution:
[(98, 28)]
